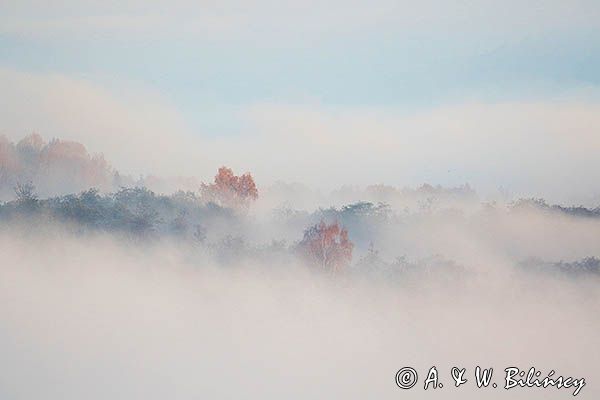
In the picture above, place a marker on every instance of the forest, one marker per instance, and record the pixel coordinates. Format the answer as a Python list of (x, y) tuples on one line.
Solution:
[(224, 219)]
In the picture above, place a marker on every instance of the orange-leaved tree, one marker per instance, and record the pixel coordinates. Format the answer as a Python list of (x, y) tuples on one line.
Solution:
[(229, 190), (327, 246)]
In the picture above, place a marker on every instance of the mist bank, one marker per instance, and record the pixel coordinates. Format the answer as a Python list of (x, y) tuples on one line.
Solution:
[(233, 290), (97, 317)]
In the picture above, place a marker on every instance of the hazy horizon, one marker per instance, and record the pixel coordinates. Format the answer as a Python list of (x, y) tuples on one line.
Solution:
[(492, 94)]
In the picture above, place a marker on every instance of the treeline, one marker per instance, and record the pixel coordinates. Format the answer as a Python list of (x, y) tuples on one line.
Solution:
[(140, 214), (540, 204), (216, 219), (54, 167), (136, 211), (586, 265), (201, 219), (215, 216)]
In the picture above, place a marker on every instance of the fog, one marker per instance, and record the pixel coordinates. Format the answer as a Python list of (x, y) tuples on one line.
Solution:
[(543, 148), (298, 199), (95, 314)]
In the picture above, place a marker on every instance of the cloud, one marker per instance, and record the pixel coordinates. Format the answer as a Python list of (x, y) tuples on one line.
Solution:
[(539, 148), (136, 129)]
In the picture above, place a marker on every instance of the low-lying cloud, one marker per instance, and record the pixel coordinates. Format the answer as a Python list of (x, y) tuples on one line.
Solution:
[(91, 317)]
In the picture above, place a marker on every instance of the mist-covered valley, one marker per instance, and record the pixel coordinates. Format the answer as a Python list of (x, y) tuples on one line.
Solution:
[(299, 199), (110, 288)]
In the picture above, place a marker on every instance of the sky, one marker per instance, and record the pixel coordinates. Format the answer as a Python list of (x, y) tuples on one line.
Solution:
[(498, 94)]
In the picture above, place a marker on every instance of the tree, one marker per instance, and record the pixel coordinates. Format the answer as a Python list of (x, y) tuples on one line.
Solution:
[(25, 192), (56, 167), (139, 206), (230, 190), (26, 197), (327, 246)]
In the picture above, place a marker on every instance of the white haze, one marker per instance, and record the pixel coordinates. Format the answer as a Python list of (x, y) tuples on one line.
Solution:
[(541, 148), (95, 317)]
